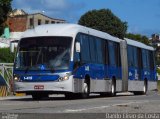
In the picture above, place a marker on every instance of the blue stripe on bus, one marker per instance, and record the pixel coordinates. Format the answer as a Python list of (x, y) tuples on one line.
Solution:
[(97, 71), (141, 74), (39, 78)]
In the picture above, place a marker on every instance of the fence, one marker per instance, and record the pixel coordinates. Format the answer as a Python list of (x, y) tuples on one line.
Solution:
[(6, 71)]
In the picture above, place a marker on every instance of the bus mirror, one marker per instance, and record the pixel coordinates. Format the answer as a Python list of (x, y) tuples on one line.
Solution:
[(78, 48)]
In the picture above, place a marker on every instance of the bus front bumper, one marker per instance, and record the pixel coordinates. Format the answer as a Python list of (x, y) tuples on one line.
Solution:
[(61, 86)]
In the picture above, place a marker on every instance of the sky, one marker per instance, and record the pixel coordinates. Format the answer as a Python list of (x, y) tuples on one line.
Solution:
[(142, 16)]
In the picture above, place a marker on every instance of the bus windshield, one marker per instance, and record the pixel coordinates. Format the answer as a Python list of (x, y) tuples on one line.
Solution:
[(43, 53)]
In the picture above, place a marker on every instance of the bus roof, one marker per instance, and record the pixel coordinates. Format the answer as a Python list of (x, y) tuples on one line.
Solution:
[(66, 29), (71, 30), (138, 44)]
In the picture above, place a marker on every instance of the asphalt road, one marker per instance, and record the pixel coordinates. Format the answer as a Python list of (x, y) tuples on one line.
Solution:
[(98, 107)]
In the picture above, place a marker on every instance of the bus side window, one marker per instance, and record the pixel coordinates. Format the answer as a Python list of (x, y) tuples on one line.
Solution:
[(117, 54), (130, 56), (145, 59), (148, 62), (92, 49), (76, 57), (106, 52), (139, 58), (99, 50), (85, 53), (135, 54), (151, 60), (112, 57)]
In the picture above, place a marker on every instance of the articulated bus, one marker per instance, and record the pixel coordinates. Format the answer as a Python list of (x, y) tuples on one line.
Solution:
[(75, 60)]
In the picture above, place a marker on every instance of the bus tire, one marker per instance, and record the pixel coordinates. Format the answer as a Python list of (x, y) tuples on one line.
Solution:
[(145, 88), (85, 93), (113, 88)]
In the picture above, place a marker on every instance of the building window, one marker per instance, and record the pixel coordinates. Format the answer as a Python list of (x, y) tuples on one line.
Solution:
[(47, 22), (39, 21), (31, 22), (53, 22)]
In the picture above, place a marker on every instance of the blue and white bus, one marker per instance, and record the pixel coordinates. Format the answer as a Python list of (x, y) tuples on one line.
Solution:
[(75, 60)]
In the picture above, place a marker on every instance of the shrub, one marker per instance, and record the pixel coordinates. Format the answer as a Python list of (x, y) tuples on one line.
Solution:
[(6, 56)]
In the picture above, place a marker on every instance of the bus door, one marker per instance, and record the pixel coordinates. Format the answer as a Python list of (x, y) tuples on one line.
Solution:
[(114, 67), (146, 65)]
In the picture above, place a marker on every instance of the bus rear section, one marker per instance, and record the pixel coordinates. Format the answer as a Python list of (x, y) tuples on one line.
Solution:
[(141, 67)]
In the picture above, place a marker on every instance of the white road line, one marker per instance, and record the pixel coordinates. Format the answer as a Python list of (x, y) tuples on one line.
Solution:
[(102, 107), (83, 109)]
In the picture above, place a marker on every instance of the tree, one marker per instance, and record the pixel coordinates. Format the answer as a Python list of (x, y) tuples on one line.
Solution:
[(5, 8), (104, 20), (138, 37)]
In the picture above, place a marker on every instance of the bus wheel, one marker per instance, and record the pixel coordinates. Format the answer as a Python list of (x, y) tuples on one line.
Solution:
[(113, 88), (145, 88), (85, 93)]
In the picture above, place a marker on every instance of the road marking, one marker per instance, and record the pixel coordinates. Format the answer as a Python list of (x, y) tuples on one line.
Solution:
[(83, 109), (102, 107)]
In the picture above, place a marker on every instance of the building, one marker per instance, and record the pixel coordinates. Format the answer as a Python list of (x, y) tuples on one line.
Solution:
[(19, 21), (156, 44), (155, 40), (39, 18)]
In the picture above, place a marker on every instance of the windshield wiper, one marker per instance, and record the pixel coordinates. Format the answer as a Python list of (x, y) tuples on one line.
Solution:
[(40, 51)]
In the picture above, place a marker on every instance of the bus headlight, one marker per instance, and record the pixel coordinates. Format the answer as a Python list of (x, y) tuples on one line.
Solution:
[(16, 78), (64, 78)]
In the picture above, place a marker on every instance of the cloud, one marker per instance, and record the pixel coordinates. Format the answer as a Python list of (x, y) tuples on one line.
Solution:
[(58, 5), (65, 9)]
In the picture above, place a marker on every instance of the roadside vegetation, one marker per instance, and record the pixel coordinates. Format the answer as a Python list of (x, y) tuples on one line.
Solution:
[(6, 56), (106, 21)]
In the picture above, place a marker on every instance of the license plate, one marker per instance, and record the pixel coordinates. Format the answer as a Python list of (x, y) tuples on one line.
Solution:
[(39, 87)]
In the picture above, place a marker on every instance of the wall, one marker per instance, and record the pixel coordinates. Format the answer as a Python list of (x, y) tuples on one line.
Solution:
[(17, 23), (43, 19)]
